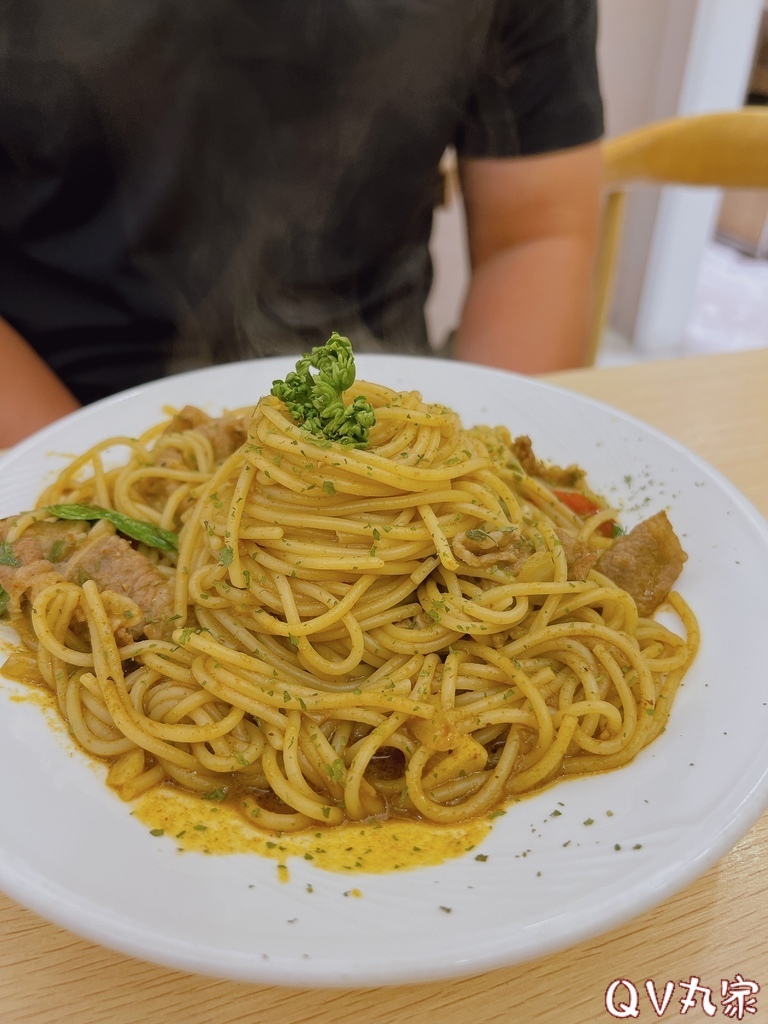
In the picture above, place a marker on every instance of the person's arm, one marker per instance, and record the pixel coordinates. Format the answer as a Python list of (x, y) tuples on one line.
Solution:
[(532, 228), (31, 395)]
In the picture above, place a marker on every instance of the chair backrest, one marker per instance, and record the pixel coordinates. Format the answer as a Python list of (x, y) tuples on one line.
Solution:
[(726, 149)]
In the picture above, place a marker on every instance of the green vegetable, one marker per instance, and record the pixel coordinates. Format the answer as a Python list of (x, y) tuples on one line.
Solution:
[(136, 529), (7, 556), (5, 597), (57, 548), (479, 534), (215, 794), (335, 769), (316, 401)]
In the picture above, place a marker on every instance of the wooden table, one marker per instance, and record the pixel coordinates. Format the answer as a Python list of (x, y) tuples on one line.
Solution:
[(714, 929)]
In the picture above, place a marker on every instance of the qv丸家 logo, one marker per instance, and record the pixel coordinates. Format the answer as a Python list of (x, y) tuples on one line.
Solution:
[(737, 998)]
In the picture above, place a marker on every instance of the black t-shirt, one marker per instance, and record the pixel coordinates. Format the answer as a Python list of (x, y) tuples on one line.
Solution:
[(193, 181)]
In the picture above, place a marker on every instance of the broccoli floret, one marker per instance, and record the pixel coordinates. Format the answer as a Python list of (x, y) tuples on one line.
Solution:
[(317, 401)]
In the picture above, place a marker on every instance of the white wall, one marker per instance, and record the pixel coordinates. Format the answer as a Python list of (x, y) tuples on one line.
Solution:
[(451, 272), (640, 64)]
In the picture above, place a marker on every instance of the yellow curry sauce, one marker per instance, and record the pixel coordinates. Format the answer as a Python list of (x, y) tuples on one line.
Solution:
[(195, 824), (376, 847)]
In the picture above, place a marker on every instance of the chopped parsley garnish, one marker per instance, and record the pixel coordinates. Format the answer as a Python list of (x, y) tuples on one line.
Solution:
[(7, 556), (215, 794), (477, 533), (336, 769)]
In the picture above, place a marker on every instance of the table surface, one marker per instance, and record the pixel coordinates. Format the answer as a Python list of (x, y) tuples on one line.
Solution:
[(712, 930)]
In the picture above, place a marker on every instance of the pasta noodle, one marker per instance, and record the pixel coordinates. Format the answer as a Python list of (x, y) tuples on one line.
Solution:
[(355, 632)]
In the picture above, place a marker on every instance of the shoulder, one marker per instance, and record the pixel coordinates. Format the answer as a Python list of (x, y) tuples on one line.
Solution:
[(537, 89)]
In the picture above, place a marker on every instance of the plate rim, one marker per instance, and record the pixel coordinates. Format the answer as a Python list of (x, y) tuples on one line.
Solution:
[(313, 973)]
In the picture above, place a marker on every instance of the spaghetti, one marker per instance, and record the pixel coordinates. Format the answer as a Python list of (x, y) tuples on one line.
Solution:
[(419, 627)]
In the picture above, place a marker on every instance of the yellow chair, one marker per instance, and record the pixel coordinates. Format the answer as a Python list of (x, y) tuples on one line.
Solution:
[(727, 150)]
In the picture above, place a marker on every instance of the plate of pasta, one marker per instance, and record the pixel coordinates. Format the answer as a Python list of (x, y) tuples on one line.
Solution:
[(369, 671)]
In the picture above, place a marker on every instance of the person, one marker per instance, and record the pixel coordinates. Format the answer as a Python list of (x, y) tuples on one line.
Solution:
[(184, 183)]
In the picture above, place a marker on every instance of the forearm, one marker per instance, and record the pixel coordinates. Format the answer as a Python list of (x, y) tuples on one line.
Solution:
[(528, 307), (31, 395)]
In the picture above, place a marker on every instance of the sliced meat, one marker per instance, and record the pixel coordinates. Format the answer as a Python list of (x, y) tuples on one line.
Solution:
[(484, 548), (114, 565), (125, 617), (162, 487), (27, 579), (579, 557), (170, 457), (568, 476), (36, 556), (226, 433), (55, 541), (646, 563), (52, 552)]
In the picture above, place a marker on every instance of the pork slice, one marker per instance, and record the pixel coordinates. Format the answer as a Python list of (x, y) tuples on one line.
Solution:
[(54, 541), (226, 433), (162, 487), (27, 579), (567, 476), (579, 557), (36, 557), (115, 565), (646, 562), (484, 548)]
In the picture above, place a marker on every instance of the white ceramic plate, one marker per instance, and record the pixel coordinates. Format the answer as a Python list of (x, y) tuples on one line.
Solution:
[(70, 850)]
